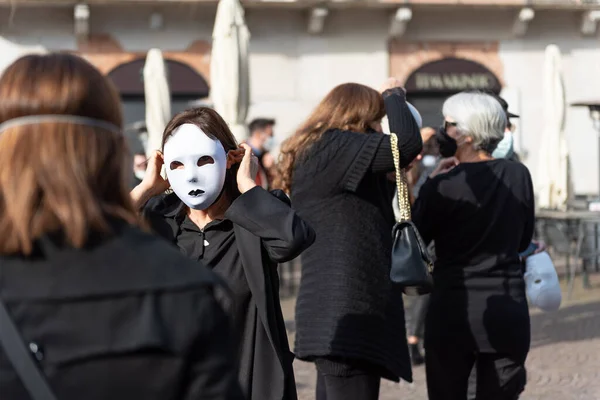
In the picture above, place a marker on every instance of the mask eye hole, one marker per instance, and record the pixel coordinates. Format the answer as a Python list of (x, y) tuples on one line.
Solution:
[(175, 165), (205, 160), (538, 281)]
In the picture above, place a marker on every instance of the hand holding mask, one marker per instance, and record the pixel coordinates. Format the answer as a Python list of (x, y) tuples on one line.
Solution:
[(153, 181), (248, 170)]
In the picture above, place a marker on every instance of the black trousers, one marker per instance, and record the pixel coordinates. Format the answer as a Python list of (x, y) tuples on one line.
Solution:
[(355, 384), (497, 376)]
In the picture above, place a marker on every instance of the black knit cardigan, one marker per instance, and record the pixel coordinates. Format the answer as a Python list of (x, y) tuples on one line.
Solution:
[(347, 307)]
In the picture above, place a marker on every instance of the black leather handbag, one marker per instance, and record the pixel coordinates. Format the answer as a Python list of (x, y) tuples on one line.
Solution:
[(411, 263)]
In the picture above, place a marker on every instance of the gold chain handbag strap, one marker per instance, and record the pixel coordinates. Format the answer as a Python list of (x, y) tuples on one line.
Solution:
[(401, 181)]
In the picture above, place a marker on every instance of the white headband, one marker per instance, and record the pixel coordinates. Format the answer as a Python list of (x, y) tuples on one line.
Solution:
[(72, 119)]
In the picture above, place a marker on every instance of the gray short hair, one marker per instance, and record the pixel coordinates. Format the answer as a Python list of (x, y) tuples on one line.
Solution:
[(479, 116)]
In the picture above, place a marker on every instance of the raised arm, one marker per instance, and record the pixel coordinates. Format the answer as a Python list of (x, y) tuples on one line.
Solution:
[(403, 124), (269, 216), (153, 183)]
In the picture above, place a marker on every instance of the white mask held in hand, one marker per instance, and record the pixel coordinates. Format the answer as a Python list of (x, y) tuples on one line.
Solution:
[(416, 115), (196, 166), (541, 280)]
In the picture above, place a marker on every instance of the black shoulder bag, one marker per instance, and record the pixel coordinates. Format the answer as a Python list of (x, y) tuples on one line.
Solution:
[(411, 263), (21, 359)]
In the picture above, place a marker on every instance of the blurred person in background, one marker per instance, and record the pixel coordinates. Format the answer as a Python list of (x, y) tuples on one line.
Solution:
[(107, 310), (140, 164), (424, 164), (479, 211), (261, 141), (349, 315), (422, 167), (505, 148), (218, 215), (134, 134)]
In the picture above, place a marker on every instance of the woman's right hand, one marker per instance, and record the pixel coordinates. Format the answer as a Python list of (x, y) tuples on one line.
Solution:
[(391, 83), (445, 165), (153, 183)]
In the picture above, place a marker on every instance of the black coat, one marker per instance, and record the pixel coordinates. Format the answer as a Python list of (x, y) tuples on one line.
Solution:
[(267, 232), (124, 318)]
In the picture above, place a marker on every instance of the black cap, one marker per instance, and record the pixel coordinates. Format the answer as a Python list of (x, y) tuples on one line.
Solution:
[(504, 105)]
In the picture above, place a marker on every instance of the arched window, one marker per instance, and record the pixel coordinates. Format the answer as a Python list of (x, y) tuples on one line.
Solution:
[(185, 85), (429, 85)]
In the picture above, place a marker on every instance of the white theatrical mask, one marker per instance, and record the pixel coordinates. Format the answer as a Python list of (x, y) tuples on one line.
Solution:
[(541, 282), (196, 166)]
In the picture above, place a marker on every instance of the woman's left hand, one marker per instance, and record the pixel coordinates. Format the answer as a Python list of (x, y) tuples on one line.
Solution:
[(248, 170)]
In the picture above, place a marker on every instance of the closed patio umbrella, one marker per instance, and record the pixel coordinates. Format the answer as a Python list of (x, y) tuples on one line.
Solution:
[(10, 52), (229, 75), (157, 97), (553, 181)]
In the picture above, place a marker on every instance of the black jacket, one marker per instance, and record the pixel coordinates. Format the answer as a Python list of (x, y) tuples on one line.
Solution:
[(267, 232), (124, 318)]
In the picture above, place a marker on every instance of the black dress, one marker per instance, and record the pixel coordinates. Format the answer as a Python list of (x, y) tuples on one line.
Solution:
[(126, 317), (347, 307), (480, 215), (259, 231)]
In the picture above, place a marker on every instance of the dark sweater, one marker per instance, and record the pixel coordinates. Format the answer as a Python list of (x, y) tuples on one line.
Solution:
[(347, 307), (480, 215)]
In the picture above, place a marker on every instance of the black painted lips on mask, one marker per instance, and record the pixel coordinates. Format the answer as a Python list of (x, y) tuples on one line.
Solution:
[(196, 192), (447, 144)]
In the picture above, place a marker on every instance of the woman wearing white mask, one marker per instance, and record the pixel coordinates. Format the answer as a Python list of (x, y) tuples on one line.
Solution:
[(219, 216)]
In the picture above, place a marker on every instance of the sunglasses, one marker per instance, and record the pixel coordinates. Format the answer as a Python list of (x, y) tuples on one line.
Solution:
[(448, 124)]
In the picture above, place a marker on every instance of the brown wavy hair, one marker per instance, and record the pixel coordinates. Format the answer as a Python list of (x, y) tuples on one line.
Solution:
[(60, 177), (350, 107)]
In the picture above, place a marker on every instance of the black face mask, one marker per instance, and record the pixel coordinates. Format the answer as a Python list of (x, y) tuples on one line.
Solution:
[(448, 145)]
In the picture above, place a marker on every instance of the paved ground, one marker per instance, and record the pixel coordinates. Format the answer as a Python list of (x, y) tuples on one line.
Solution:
[(563, 364)]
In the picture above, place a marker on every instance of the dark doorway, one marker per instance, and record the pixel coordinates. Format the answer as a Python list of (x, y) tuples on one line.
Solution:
[(134, 107), (431, 84), (185, 85), (430, 107)]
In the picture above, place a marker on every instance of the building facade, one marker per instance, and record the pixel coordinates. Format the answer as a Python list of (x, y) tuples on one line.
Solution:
[(300, 49)]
